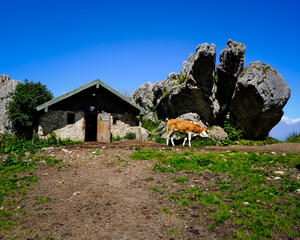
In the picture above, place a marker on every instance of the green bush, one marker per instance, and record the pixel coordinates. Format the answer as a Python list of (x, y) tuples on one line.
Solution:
[(201, 142), (130, 136), (233, 133), (149, 125), (293, 137), (21, 109), (117, 138)]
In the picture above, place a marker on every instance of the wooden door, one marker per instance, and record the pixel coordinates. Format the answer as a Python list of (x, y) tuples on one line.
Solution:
[(103, 127)]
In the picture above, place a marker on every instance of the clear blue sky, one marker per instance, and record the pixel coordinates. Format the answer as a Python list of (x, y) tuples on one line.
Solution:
[(65, 44)]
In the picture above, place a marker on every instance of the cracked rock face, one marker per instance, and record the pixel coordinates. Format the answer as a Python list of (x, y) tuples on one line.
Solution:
[(144, 95), (7, 86), (194, 89), (260, 95), (231, 65)]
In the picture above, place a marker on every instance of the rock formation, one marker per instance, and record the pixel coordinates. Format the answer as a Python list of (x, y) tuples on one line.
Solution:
[(7, 86), (193, 89), (259, 97), (245, 96), (231, 65), (144, 96)]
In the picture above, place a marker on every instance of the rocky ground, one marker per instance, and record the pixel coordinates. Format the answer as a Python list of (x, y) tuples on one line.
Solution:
[(101, 193)]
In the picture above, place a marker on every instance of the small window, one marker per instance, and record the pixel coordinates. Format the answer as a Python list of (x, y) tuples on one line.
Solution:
[(70, 118)]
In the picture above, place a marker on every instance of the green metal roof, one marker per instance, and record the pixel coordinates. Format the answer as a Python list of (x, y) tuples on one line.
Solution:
[(93, 83)]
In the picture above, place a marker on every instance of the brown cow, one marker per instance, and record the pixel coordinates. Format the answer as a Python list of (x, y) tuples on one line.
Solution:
[(184, 126)]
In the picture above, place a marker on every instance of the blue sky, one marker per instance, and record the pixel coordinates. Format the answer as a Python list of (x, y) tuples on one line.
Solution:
[(65, 44)]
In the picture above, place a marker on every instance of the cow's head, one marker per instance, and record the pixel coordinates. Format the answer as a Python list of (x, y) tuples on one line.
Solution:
[(204, 133)]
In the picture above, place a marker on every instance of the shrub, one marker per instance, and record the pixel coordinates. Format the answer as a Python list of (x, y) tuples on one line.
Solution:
[(149, 125), (21, 109), (130, 136), (233, 133), (117, 138), (293, 137), (201, 142)]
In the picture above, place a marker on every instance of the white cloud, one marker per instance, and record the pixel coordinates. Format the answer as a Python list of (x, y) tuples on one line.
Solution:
[(290, 120), (285, 127)]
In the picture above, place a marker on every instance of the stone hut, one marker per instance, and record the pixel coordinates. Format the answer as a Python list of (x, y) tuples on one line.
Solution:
[(93, 112)]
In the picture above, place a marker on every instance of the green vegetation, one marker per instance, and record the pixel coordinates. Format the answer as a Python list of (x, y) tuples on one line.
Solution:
[(234, 134), (173, 231), (117, 138), (153, 108), (130, 136), (166, 93), (201, 142), (21, 109), (244, 189), (156, 189), (293, 137), (164, 210), (14, 145), (183, 79), (149, 125), (16, 171), (181, 180), (268, 140)]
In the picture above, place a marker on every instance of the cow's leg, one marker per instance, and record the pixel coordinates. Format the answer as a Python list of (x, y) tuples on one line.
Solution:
[(168, 138), (172, 136), (184, 141), (186, 137), (169, 133), (190, 138)]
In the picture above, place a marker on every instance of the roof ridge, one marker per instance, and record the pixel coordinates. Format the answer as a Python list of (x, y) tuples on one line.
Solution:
[(79, 89)]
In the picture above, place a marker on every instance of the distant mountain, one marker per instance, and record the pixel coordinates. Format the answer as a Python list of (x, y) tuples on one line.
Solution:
[(284, 127)]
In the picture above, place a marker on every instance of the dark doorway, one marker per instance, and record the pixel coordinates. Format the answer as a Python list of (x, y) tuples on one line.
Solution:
[(91, 127)]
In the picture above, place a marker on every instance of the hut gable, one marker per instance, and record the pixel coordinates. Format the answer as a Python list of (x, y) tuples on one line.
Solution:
[(95, 96)]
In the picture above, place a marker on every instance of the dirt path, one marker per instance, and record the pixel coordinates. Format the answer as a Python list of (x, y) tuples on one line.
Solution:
[(101, 193), (277, 148)]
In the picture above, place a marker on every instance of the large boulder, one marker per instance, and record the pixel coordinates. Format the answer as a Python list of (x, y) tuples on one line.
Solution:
[(193, 117), (7, 86), (121, 129), (144, 96), (193, 89), (260, 95), (231, 65)]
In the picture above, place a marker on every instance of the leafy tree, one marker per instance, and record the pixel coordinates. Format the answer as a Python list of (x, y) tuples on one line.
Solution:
[(21, 109)]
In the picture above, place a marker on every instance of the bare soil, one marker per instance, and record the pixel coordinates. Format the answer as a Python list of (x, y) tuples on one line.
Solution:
[(101, 193)]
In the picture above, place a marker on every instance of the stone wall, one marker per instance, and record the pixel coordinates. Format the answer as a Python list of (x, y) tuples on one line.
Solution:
[(125, 123), (7, 86), (58, 121)]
